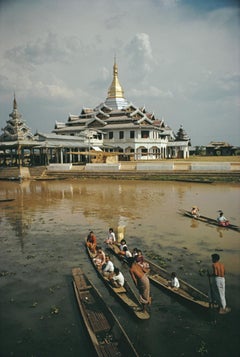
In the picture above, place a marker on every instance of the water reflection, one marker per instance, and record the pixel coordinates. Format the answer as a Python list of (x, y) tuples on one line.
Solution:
[(41, 239)]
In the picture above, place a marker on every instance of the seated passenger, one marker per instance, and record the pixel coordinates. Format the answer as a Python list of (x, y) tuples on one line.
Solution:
[(111, 238), (122, 245), (195, 211), (92, 242), (108, 267), (174, 283), (222, 221), (99, 259), (117, 280)]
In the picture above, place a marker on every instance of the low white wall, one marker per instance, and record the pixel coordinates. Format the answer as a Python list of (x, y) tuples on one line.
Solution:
[(103, 167), (155, 167), (59, 167), (211, 166)]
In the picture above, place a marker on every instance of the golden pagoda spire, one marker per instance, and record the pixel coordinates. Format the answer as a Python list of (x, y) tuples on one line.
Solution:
[(115, 90)]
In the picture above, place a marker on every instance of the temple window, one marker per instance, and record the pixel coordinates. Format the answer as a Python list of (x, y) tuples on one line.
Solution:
[(144, 134), (132, 134), (110, 134), (121, 134)]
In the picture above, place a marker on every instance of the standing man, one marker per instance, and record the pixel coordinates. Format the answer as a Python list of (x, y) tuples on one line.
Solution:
[(218, 272), (141, 281)]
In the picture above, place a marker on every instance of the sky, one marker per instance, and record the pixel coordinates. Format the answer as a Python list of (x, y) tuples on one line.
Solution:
[(178, 58)]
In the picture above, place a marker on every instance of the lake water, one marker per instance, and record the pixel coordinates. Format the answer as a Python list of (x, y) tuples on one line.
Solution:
[(41, 240)]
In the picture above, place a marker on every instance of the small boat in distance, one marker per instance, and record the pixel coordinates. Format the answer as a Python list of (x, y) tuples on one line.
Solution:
[(106, 333), (7, 200), (125, 294), (160, 278), (208, 220)]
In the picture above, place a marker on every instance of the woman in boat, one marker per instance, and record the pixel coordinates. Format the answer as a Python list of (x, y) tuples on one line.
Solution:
[(141, 281), (222, 221), (92, 242), (99, 260), (111, 238), (195, 211), (117, 280)]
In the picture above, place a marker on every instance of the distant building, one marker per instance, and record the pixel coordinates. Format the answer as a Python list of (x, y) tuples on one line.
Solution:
[(219, 148)]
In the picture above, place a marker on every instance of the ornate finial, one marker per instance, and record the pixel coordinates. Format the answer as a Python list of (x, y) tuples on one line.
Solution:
[(115, 90), (14, 102)]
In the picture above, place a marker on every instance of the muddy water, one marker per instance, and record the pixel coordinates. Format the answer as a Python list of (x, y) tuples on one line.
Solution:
[(41, 240)]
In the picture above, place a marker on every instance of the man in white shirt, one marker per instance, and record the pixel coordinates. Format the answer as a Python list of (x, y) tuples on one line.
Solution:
[(111, 239), (108, 267), (117, 279)]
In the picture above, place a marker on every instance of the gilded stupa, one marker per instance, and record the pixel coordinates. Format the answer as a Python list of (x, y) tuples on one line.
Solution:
[(115, 99)]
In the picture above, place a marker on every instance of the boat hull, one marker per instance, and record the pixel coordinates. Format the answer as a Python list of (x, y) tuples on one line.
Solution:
[(160, 278), (125, 294), (106, 333), (208, 220)]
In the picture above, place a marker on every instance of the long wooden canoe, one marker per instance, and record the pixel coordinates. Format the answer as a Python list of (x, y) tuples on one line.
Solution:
[(209, 220), (160, 277), (7, 200), (105, 331), (125, 294)]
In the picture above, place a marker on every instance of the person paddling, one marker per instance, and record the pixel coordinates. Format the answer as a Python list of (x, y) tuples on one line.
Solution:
[(222, 221)]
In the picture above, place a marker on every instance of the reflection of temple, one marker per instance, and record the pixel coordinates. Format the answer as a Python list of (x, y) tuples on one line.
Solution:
[(19, 219)]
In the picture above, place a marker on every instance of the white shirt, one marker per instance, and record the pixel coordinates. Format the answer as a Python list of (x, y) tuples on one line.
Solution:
[(119, 278), (109, 268), (175, 283), (111, 237)]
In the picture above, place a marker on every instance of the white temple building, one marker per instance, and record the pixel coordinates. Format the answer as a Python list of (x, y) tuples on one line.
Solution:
[(118, 125)]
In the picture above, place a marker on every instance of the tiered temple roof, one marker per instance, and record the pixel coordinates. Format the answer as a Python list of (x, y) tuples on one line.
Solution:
[(16, 129)]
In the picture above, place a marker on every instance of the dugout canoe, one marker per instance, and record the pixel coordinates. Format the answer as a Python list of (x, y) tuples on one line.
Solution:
[(7, 200), (208, 220), (106, 333), (161, 277), (125, 294)]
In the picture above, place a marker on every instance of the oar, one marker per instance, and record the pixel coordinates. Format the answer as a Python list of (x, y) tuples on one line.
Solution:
[(211, 302)]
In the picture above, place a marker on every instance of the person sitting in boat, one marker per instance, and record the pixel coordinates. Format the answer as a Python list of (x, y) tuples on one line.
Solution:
[(174, 282), (122, 245), (108, 267), (195, 211), (222, 221), (99, 259), (92, 242), (125, 253), (135, 252), (117, 280), (140, 260), (111, 238)]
